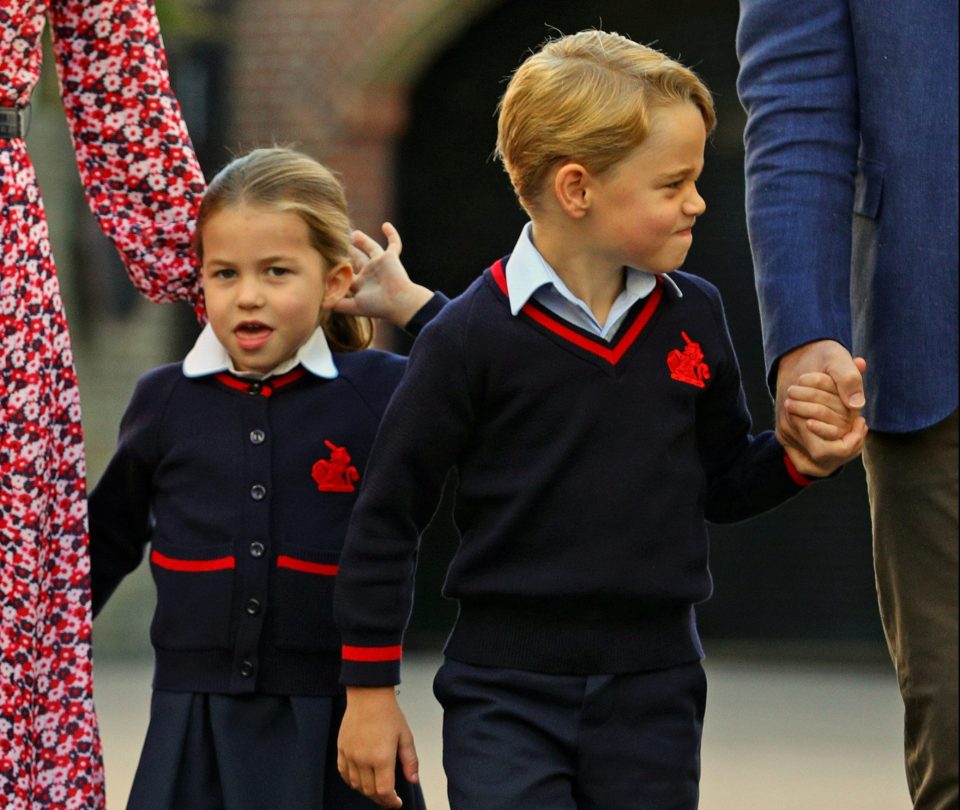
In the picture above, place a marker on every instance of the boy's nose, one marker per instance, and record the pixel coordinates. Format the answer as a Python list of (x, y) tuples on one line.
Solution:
[(695, 205)]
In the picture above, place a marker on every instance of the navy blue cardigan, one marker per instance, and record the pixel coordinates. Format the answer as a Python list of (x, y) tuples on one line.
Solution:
[(244, 494), (586, 472)]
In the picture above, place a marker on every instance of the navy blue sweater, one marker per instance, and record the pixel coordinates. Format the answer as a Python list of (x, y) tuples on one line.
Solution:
[(244, 491), (586, 472), (225, 481)]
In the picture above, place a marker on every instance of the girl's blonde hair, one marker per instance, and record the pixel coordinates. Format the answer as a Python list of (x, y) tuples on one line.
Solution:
[(586, 97), (283, 180)]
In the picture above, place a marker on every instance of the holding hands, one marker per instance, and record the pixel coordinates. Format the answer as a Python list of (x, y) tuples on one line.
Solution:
[(819, 397), (381, 287)]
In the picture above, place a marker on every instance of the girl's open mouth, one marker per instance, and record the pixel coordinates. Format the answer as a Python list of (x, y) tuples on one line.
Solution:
[(252, 336)]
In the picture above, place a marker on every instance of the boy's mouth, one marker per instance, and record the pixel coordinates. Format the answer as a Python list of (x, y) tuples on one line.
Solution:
[(252, 335)]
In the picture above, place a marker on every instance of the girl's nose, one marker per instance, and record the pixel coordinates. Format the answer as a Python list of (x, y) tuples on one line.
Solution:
[(250, 294)]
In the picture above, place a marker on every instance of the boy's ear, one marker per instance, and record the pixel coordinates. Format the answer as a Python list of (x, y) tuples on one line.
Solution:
[(339, 279), (570, 185)]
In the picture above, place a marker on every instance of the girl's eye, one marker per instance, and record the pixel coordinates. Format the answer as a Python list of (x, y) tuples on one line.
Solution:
[(225, 273), (277, 271)]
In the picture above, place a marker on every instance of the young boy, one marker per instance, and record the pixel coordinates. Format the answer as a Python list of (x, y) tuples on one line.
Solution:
[(592, 406)]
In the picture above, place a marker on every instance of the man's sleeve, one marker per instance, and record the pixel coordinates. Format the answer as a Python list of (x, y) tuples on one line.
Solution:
[(798, 85)]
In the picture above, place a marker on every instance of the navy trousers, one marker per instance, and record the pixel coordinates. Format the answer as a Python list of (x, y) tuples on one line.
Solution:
[(515, 740)]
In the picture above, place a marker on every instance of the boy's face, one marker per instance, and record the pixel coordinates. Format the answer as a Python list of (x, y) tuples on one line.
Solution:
[(643, 208), (264, 284)]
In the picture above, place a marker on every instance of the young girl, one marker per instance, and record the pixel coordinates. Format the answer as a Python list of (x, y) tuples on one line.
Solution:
[(240, 467)]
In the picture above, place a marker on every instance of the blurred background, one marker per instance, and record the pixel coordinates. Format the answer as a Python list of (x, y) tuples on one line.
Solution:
[(399, 96)]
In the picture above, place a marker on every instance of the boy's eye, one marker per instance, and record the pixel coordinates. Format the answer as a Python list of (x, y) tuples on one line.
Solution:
[(224, 273), (277, 271)]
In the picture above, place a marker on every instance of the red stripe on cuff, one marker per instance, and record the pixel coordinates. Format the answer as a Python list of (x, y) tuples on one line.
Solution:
[(798, 477), (219, 564), (324, 570), (372, 654)]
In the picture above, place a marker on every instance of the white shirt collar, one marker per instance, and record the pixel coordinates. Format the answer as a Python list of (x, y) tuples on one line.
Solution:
[(527, 271), (208, 356)]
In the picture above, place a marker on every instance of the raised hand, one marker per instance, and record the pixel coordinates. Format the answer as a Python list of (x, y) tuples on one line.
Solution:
[(381, 287)]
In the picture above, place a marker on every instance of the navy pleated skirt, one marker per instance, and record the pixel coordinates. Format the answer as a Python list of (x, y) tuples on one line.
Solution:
[(258, 752)]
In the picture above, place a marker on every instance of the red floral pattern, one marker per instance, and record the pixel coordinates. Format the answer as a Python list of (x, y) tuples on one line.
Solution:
[(143, 183)]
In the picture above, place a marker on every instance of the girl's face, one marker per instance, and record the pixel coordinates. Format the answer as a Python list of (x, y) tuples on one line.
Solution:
[(264, 284)]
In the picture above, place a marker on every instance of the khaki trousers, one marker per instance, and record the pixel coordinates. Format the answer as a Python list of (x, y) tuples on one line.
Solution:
[(912, 484)]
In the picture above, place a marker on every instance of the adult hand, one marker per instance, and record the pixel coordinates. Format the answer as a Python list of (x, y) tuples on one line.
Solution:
[(373, 735), (820, 451), (381, 287)]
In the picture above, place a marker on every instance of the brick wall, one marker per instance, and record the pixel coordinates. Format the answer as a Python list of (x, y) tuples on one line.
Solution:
[(333, 78)]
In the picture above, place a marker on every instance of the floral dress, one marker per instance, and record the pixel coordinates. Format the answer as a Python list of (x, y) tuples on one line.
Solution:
[(143, 184)]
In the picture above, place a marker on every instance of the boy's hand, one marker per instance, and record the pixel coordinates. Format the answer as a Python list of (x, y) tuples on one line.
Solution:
[(829, 433), (381, 287), (373, 735)]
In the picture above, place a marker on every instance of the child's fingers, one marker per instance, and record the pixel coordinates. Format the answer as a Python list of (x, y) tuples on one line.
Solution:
[(368, 782), (849, 446), (409, 761), (394, 242), (853, 441), (805, 393), (826, 454), (352, 776), (367, 244), (824, 431), (358, 258), (384, 792), (806, 409)]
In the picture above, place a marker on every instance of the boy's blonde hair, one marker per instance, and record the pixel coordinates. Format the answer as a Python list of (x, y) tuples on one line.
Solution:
[(586, 97), (283, 180)]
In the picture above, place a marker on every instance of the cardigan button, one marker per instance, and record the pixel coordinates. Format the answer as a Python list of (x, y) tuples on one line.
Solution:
[(246, 668), (253, 606), (258, 492), (255, 389), (257, 549), (257, 437)]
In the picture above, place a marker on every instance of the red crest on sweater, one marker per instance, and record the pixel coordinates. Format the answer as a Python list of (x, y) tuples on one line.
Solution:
[(335, 474), (686, 365)]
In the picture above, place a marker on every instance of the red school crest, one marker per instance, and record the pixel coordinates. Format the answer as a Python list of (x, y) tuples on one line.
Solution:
[(335, 474), (687, 365)]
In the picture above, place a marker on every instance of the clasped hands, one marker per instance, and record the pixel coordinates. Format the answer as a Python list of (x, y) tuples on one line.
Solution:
[(819, 397)]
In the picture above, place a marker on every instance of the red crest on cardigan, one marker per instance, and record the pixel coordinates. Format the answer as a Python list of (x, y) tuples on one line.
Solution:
[(686, 365), (335, 474)]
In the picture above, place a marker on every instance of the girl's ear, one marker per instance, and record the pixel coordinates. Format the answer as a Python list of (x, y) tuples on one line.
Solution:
[(571, 186), (338, 281)]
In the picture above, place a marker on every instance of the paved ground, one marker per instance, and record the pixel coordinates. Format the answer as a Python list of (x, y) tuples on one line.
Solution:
[(777, 737)]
